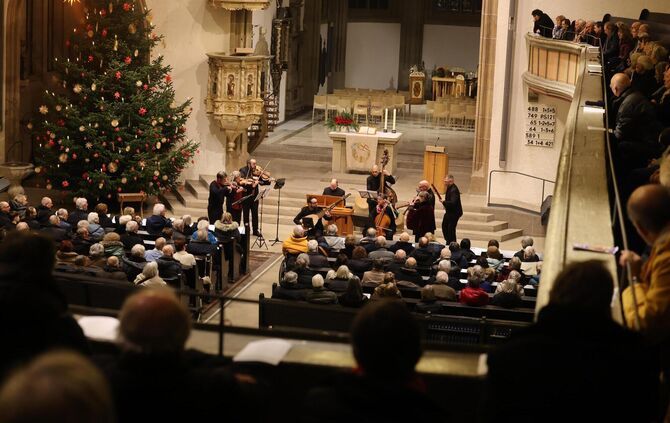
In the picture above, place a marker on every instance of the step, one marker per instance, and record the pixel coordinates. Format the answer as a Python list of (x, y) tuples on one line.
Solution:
[(492, 226), (500, 236), (189, 200), (198, 190)]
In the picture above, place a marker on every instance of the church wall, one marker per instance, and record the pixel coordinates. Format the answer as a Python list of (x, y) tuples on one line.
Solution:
[(373, 55), (448, 45), (537, 161)]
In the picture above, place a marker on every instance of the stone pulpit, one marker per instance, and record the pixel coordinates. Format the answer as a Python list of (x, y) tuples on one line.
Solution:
[(234, 99)]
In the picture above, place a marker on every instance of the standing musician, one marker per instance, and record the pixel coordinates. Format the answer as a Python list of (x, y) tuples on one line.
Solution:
[(253, 177), (421, 216), (237, 192), (424, 186), (453, 210), (385, 218), (334, 190), (374, 184), (312, 207), (219, 190)]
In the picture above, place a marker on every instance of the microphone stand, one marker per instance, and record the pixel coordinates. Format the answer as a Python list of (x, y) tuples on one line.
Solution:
[(279, 184)]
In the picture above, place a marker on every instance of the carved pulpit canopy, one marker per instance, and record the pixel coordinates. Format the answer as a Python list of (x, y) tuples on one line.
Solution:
[(240, 4)]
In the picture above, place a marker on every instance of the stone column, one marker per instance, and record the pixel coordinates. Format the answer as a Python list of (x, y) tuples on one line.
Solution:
[(412, 19), (338, 14), (487, 56)]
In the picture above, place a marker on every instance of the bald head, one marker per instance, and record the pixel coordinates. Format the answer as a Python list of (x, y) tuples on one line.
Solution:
[(648, 210), (620, 82), (154, 321)]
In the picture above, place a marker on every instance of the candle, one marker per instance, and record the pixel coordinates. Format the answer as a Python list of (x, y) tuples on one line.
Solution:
[(394, 112), (386, 119)]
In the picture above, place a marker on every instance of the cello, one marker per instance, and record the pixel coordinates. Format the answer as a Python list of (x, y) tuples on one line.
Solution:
[(383, 220)]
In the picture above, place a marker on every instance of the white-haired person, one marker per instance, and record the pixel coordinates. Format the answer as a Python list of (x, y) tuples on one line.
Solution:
[(334, 241), (338, 280), (134, 263), (316, 257), (296, 243), (529, 255), (44, 210), (96, 255), (130, 238), (155, 253), (157, 221), (526, 241), (80, 212), (149, 277), (203, 224), (319, 294), (63, 216), (94, 229)]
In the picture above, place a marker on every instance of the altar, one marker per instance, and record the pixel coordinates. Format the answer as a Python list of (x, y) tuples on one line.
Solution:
[(384, 140)]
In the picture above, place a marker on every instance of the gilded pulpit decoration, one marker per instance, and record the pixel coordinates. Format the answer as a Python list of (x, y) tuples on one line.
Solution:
[(240, 4)]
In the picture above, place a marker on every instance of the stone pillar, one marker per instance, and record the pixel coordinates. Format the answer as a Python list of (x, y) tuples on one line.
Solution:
[(338, 14), (487, 56), (412, 19), (310, 51)]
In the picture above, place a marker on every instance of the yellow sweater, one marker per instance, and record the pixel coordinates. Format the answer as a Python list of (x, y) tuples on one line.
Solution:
[(293, 245)]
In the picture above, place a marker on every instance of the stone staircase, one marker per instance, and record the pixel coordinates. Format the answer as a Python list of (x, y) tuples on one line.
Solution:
[(478, 222)]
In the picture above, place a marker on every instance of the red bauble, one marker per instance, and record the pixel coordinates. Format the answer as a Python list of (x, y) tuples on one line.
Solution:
[(142, 111), (127, 60), (117, 75), (104, 32), (90, 58), (65, 184), (126, 6), (168, 78)]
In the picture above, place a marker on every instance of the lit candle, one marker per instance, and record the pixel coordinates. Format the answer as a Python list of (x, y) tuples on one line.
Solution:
[(386, 119), (394, 112)]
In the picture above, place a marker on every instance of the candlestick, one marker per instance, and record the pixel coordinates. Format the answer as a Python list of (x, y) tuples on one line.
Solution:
[(394, 113), (386, 119)]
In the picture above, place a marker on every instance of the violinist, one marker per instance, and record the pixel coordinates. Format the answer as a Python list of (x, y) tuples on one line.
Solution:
[(421, 216), (219, 190), (237, 192), (253, 176), (313, 228), (424, 186), (385, 218), (374, 184)]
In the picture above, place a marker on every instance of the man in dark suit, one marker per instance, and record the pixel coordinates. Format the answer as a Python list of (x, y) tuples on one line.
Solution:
[(374, 183), (80, 212), (54, 231), (453, 210), (250, 205), (218, 191), (334, 189), (6, 221), (543, 25)]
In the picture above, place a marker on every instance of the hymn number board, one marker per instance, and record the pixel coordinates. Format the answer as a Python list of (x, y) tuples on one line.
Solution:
[(540, 125)]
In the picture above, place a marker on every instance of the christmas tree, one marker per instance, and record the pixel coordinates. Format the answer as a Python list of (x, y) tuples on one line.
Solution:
[(112, 125)]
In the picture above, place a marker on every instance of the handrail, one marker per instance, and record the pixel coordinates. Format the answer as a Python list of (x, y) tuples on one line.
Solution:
[(544, 182)]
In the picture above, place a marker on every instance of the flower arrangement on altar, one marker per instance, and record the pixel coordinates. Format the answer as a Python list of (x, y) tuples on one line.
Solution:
[(342, 121)]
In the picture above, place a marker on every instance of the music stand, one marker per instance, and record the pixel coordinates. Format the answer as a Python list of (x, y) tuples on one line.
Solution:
[(260, 240), (371, 195), (279, 184)]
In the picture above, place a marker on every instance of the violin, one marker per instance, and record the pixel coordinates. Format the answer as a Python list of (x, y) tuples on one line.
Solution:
[(260, 174)]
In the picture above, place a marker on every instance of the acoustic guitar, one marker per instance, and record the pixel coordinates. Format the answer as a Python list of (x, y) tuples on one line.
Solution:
[(317, 216)]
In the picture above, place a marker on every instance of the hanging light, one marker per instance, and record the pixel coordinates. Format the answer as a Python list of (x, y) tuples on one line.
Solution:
[(71, 1)]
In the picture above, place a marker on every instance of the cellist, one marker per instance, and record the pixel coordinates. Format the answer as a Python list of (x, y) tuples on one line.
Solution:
[(385, 218), (374, 182)]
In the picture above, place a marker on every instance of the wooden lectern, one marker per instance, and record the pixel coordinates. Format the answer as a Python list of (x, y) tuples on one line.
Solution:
[(435, 165), (133, 197), (342, 216)]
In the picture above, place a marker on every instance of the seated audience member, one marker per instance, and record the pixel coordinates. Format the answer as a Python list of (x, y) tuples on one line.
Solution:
[(489, 279), (66, 253), (157, 221), (403, 243), (201, 246), (349, 245), (22, 227), (378, 329), (178, 229), (644, 76), (398, 261), (33, 310), (82, 241), (466, 250), (316, 259), (577, 318), (428, 303), (319, 294), (134, 263), (433, 245), (409, 273), (493, 243), (187, 260), (63, 215), (113, 245), (53, 230), (529, 255), (338, 281), (121, 222), (59, 386), (472, 294), (334, 241), (189, 226), (368, 241), (482, 260), (96, 255), (169, 268), (359, 263), (508, 294), (104, 220), (494, 257), (130, 238), (380, 251), (30, 218), (288, 288), (458, 256), (6, 219), (340, 260), (423, 255), (514, 264), (296, 243), (353, 296), (387, 290), (167, 234), (454, 275), (375, 276), (149, 277), (526, 241), (155, 253), (19, 204), (300, 266), (203, 224), (154, 366), (94, 229), (112, 270), (80, 212), (226, 228), (442, 287), (45, 210)]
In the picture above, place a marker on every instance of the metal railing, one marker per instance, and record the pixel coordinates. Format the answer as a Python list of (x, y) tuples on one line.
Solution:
[(516, 206)]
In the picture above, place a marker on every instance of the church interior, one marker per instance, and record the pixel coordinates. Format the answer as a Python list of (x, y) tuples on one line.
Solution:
[(278, 210)]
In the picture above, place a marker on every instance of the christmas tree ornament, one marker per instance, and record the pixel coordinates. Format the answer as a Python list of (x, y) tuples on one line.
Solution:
[(132, 29), (113, 167), (115, 123), (44, 109), (94, 87)]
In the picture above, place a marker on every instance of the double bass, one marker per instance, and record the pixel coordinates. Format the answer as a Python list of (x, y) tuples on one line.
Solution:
[(384, 190)]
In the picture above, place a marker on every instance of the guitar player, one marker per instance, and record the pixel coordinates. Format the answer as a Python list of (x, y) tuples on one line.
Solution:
[(313, 229)]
